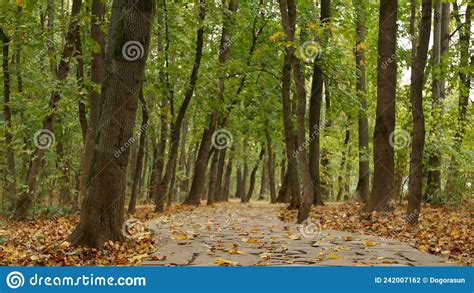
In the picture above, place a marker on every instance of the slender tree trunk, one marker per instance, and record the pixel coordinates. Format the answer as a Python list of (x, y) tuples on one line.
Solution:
[(103, 208), (345, 154), (465, 86), (10, 174), (227, 176), (25, 199), (253, 174), (288, 12), (220, 173), (383, 189), (137, 172), (239, 182), (198, 182), (363, 123), (418, 135), (95, 100), (434, 159), (177, 125), (263, 182), (270, 167), (211, 192)]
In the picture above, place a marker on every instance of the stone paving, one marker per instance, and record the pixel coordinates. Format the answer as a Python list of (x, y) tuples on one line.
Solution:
[(252, 235)]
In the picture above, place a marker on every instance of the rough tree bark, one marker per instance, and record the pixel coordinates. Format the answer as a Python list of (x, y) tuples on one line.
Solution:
[(383, 189), (127, 50), (418, 136)]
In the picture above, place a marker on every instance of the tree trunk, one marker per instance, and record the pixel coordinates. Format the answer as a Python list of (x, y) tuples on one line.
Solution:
[(363, 183), (25, 199), (95, 100), (288, 12), (103, 208), (239, 183), (418, 135), (465, 86), (137, 172), (211, 192), (177, 125), (227, 176), (263, 182), (10, 174), (345, 154), (198, 182), (383, 189), (248, 196), (270, 166), (434, 160)]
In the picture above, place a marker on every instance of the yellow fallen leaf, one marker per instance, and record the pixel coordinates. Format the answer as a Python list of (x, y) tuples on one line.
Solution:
[(294, 237), (368, 243), (182, 237), (347, 238), (333, 256), (223, 262)]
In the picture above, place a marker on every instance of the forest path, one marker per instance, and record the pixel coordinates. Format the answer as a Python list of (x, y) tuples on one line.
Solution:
[(252, 234)]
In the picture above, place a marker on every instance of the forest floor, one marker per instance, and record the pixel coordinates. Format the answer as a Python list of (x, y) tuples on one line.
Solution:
[(233, 234), (258, 233)]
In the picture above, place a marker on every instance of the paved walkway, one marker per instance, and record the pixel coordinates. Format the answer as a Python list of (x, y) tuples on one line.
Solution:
[(251, 234)]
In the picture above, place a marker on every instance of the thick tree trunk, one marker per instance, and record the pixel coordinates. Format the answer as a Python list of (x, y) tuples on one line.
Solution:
[(10, 174), (25, 199), (103, 208), (246, 198), (137, 172), (418, 135), (363, 183), (383, 189), (270, 167)]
